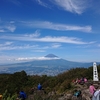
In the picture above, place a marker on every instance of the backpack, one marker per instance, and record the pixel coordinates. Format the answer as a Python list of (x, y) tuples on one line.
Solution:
[(23, 95), (77, 94), (39, 87)]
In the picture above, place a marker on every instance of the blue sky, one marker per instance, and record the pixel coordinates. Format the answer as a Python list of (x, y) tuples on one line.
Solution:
[(31, 29)]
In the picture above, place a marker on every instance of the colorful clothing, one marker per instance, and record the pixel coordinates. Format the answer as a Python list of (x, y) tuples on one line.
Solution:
[(22, 95), (96, 95), (92, 89)]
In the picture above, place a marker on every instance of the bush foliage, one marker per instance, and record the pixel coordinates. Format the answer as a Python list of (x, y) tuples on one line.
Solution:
[(10, 84)]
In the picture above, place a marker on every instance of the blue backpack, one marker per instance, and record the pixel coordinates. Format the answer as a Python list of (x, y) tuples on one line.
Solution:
[(22, 95), (39, 87)]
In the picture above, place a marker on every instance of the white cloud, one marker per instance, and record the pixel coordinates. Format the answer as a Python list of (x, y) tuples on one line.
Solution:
[(34, 35), (98, 45), (35, 58), (34, 48), (56, 45), (7, 26), (55, 26), (6, 44), (10, 28), (1, 30), (12, 47), (74, 6), (62, 39), (42, 3), (7, 59), (12, 22), (55, 39)]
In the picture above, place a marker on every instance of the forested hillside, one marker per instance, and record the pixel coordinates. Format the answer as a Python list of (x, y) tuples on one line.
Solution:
[(12, 83)]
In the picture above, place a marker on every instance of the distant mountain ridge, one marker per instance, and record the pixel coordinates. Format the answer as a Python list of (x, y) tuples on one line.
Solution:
[(44, 67)]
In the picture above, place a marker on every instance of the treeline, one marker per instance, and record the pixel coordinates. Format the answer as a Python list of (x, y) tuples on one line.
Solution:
[(12, 83)]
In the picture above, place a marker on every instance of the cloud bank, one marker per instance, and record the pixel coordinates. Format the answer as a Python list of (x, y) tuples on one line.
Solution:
[(54, 39)]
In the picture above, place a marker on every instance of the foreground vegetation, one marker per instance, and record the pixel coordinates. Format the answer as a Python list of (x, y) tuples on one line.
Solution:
[(10, 84)]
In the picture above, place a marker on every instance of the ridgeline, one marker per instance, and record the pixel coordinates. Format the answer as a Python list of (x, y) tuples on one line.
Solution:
[(54, 87)]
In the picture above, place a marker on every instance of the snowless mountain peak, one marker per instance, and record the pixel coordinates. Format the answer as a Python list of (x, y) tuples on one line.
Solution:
[(51, 56)]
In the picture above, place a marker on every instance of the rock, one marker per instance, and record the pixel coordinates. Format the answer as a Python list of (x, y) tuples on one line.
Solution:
[(69, 95)]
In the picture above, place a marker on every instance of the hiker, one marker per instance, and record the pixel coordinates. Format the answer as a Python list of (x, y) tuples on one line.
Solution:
[(92, 89), (82, 80), (77, 93), (22, 95), (85, 80), (96, 95), (39, 86), (77, 80)]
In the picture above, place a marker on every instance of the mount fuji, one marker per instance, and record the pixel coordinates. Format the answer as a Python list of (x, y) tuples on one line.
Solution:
[(52, 65)]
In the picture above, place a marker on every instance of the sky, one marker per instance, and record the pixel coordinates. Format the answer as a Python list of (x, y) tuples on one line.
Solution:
[(31, 29)]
